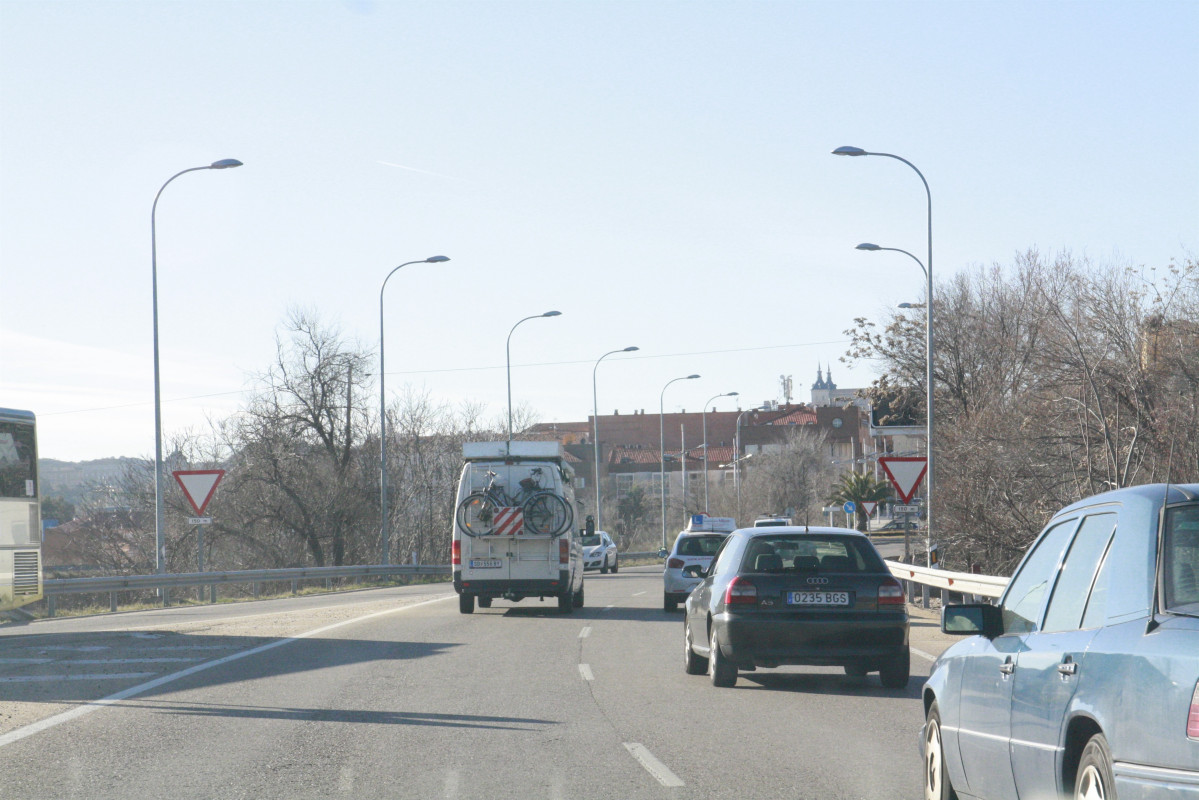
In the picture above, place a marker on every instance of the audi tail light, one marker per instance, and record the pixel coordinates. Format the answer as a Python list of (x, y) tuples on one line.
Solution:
[(890, 593), (456, 554), (675, 563), (740, 591), (1193, 716)]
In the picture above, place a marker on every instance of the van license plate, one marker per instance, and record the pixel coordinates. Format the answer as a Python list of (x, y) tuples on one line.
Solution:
[(818, 598), (486, 563)]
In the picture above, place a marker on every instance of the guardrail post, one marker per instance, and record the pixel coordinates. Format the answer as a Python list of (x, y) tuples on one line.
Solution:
[(255, 590), (212, 593), (112, 601), (51, 605), (295, 586), (166, 597), (924, 595)]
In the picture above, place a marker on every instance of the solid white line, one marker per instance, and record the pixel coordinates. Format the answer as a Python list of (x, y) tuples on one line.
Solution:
[(638, 594), (585, 671), (95, 705), (609, 608), (25, 660), (95, 661), (583, 634), (923, 654), (652, 765), (47, 678)]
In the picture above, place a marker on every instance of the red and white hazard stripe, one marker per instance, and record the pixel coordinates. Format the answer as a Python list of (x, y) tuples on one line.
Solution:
[(508, 521)]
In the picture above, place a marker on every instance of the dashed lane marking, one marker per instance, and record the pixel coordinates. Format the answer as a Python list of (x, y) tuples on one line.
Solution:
[(583, 634), (585, 671), (923, 654), (652, 765)]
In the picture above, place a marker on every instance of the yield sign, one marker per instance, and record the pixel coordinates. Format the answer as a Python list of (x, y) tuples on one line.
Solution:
[(905, 474), (198, 485), (868, 506)]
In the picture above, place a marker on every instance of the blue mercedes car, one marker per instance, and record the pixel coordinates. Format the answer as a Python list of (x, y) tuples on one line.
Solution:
[(1083, 681)]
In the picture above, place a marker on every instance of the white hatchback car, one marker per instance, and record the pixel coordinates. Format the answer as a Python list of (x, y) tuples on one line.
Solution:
[(691, 547), (599, 552)]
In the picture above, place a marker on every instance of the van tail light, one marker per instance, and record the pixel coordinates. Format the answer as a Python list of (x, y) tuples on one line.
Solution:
[(456, 554), (563, 551), (890, 593), (675, 563), (1193, 716), (740, 592)]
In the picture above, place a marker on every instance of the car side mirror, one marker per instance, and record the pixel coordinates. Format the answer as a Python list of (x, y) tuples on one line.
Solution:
[(977, 619), (694, 571), (662, 553)]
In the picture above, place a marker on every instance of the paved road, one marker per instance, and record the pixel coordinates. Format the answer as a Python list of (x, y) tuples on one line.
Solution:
[(393, 693)]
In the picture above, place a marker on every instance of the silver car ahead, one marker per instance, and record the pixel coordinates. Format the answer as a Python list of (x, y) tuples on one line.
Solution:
[(1084, 681)]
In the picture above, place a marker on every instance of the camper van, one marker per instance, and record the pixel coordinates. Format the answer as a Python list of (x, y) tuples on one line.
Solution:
[(514, 534)]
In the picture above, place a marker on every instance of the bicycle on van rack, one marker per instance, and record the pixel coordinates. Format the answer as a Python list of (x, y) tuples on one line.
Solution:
[(545, 513)]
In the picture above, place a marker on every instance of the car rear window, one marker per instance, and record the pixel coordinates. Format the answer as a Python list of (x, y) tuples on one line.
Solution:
[(1182, 558), (698, 545), (810, 553)]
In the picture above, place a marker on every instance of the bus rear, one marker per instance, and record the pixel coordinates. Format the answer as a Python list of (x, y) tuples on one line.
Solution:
[(20, 511)]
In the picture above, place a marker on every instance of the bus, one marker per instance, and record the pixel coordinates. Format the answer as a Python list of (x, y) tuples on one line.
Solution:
[(20, 511)]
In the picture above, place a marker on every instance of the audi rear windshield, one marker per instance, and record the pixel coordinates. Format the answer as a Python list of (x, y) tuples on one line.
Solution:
[(810, 553)]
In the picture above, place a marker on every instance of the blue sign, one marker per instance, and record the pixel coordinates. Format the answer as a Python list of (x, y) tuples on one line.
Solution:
[(849, 507)]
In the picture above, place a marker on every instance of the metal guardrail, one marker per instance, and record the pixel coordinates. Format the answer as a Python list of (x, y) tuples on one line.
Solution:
[(57, 587), (963, 582)]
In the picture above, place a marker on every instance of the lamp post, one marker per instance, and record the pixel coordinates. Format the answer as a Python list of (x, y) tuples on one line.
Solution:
[(705, 429), (383, 526), (737, 459), (159, 481), (928, 335), (662, 449), (599, 508), (508, 355)]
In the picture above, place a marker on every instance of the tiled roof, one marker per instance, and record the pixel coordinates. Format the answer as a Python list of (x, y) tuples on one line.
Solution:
[(804, 416)]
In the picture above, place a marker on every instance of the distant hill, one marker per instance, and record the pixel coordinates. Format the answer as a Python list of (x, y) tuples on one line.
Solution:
[(77, 481)]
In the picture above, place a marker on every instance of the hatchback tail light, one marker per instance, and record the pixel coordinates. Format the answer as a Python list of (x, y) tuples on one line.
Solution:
[(890, 593), (1193, 716), (563, 551), (740, 592), (456, 554), (675, 563)]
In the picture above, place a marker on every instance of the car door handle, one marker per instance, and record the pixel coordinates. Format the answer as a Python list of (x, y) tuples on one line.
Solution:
[(1067, 668), (1007, 667)]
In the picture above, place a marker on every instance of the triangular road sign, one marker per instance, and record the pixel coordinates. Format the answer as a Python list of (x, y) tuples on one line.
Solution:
[(198, 485), (905, 474), (868, 506)]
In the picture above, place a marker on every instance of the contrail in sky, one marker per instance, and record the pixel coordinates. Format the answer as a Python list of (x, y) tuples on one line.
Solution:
[(422, 171)]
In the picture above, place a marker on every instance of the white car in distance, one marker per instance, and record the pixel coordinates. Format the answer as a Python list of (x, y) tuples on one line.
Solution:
[(599, 552), (690, 548)]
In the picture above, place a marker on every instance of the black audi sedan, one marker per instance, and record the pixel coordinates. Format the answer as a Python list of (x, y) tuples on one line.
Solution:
[(796, 595)]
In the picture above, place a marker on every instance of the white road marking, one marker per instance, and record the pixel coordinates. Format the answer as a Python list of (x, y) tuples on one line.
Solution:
[(638, 594), (451, 785), (95, 705), (196, 647), (345, 781), (609, 608), (923, 654), (25, 660), (93, 648), (48, 678), (652, 765), (583, 634), (95, 661), (585, 671)]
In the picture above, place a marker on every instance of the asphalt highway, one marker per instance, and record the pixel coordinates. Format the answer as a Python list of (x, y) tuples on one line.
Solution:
[(394, 693)]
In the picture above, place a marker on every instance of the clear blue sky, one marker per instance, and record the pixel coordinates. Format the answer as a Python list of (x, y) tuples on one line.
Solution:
[(657, 171)]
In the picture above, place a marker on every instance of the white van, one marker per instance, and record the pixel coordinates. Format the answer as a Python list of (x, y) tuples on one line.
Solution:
[(514, 526)]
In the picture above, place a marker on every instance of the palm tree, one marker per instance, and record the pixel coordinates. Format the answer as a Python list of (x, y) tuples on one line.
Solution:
[(859, 488)]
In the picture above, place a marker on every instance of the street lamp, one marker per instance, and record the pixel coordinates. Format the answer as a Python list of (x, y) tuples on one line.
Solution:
[(662, 449), (705, 428), (159, 480), (508, 354), (384, 527), (599, 515), (928, 344)]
